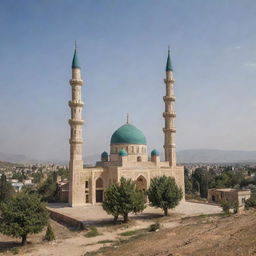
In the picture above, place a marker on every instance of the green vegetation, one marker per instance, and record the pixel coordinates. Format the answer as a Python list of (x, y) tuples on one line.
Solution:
[(92, 232), (154, 227), (14, 250), (106, 241), (49, 189), (22, 215), (164, 193), (228, 205), (37, 177), (49, 236), (20, 176), (132, 232), (251, 202), (6, 189), (123, 198)]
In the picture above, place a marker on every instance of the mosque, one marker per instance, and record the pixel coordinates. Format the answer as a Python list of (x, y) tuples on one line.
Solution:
[(128, 156)]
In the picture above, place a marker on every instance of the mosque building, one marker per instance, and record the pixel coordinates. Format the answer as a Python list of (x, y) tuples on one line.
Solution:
[(128, 156)]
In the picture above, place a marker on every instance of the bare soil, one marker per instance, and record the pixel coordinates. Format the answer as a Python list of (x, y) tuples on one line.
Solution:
[(204, 235)]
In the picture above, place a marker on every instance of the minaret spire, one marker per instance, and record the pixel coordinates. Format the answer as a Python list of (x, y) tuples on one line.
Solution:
[(76, 138), (127, 118), (169, 115)]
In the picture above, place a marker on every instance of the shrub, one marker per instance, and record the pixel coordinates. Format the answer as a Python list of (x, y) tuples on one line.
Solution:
[(49, 236), (154, 227), (250, 202), (226, 206), (92, 232)]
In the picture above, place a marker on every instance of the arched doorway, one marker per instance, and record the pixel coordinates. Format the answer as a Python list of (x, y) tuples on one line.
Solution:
[(99, 190), (141, 183)]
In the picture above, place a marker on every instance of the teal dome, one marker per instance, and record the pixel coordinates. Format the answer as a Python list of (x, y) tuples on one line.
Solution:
[(122, 152), (154, 152), (104, 155), (128, 134)]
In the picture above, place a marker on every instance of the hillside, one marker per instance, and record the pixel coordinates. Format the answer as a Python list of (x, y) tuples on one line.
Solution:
[(197, 236), (215, 156), (7, 164)]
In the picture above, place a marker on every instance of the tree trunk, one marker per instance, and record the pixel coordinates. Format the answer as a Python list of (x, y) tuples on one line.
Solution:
[(166, 212), (115, 219), (24, 240), (125, 217)]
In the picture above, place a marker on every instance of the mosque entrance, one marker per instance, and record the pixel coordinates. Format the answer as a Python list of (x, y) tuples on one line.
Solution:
[(141, 183), (99, 190)]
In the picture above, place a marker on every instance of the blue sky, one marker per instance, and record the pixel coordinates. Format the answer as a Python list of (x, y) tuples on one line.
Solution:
[(122, 47)]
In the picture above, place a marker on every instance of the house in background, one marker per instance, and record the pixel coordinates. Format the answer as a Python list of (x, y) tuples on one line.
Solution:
[(229, 194)]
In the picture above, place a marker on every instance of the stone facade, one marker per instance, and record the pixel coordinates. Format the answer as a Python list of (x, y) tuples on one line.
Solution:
[(128, 151), (229, 194)]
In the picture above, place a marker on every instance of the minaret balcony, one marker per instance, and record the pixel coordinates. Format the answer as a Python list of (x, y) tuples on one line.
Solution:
[(168, 80), (169, 114), (76, 82), (75, 122), (169, 98), (76, 103), (75, 141), (170, 146), (169, 130)]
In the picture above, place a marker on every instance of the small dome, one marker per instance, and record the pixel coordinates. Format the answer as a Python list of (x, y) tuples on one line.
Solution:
[(122, 152), (104, 154), (154, 152), (128, 134)]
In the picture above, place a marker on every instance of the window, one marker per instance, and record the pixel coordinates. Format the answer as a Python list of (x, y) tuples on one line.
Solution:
[(87, 198), (99, 190), (86, 184)]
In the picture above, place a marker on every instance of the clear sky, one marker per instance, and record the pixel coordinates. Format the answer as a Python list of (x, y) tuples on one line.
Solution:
[(122, 47)]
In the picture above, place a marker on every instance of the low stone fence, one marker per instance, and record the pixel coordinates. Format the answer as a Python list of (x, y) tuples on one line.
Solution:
[(66, 220)]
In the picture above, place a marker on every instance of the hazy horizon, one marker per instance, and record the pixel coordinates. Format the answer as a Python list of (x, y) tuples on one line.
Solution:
[(122, 48)]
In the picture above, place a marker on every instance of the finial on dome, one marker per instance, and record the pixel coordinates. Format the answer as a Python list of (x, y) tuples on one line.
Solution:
[(169, 63), (127, 118), (75, 62)]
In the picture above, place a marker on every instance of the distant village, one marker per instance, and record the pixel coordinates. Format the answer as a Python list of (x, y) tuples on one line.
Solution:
[(31, 175)]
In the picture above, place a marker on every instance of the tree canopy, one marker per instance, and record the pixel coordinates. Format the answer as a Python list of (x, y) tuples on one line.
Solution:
[(6, 189), (122, 198), (22, 215), (164, 193)]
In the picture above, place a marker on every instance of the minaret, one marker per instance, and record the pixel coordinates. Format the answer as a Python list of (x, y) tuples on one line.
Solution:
[(76, 137), (169, 115)]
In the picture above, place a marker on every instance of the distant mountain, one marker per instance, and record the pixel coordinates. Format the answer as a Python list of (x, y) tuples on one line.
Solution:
[(215, 156), (183, 156), (22, 159), (7, 164)]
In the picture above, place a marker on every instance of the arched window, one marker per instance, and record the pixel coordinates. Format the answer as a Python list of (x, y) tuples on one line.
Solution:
[(99, 183), (139, 159), (99, 190)]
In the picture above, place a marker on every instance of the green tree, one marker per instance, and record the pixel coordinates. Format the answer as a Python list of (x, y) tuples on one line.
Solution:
[(164, 193), (200, 181), (22, 215), (49, 189), (188, 182), (6, 189), (49, 235), (123, 198)]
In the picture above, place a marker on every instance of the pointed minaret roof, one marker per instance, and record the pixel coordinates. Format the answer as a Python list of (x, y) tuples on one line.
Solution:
[(75, 62), (169, 63)]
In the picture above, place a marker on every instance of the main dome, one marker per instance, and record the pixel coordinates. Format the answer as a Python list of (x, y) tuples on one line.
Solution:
[(128, 134)]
